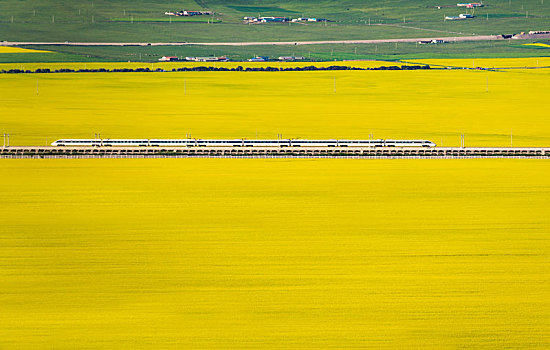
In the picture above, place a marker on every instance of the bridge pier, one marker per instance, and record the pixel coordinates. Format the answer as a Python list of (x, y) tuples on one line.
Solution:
[(256, 152)]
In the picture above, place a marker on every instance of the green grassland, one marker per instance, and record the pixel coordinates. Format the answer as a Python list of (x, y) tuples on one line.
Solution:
[(50, 57), (196, 19), (84, 20), (385, 51), (144, 21)]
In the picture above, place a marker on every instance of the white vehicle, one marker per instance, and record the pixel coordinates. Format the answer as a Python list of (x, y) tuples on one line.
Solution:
[(240, 143)]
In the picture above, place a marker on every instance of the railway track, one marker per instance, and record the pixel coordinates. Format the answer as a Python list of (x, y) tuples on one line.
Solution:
[(273, 152)]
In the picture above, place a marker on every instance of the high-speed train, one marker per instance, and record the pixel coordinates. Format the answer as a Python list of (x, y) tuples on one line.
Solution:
[(241, 143)]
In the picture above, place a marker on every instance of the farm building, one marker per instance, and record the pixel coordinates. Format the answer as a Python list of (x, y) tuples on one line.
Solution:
[(255, 20), (309, 19), (470, 5), (454, 18), (169, 58), (434, 41), (290, 58), (207, 59), (258, 59), (188, 13), (274, 19)]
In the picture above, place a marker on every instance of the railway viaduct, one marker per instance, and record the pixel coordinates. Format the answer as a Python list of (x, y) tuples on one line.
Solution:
[(271, 152)]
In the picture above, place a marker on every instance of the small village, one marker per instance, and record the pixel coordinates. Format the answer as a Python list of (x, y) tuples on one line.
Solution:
[(463, 16), (225, 59), (271, 19), (188, 13)]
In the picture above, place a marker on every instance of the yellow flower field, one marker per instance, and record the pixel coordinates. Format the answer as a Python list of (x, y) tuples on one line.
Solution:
[(169, 65), (438, 105), (13, 49), (487, 62), (538, 44), (243, 253)]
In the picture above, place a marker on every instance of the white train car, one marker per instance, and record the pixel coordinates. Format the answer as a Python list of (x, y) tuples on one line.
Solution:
[(125, 142), (313, 143), (240, 143), (77, 142), (361, 143), (171, 142), (408, 143)]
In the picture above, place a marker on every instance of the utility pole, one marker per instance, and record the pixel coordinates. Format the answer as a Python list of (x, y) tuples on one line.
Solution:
[(487, 84), (334, 84), (36, 86)]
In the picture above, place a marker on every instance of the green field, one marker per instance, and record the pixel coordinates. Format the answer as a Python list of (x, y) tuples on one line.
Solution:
[(143, 21), (73, 21), (385, 51), (169, 19), (248, 254)]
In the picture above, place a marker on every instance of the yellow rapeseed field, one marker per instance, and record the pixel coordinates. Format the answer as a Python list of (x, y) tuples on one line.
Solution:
[(487, 62), (537, 44), (438, 105), (12, 49), (229, 253), (169, 65)]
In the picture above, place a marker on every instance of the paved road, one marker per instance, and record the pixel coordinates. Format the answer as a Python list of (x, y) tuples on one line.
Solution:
[(256, 43)]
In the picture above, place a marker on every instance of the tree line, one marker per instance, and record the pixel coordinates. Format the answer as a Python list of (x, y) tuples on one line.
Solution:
[(210, 69)]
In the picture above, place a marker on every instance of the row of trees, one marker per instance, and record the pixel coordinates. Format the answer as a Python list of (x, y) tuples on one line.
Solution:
[(210, 69)]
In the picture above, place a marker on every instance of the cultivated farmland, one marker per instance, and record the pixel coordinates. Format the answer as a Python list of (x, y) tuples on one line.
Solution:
[(438, 105), (226, 253)]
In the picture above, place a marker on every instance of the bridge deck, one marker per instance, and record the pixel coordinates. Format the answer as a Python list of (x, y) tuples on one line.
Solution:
[(270, 152)]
